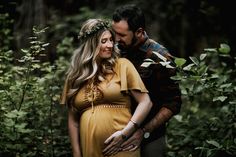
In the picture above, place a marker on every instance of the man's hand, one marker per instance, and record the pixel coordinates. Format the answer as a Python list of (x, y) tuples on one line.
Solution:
[(133, 142)]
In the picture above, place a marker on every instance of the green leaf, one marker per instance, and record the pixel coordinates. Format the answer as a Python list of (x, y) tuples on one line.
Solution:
[(184, 91), (232, 102), (179, 118), (220, 98), (45, 45), (166, 64), (20, 126), (36, 66), (177, 78), (188, 67), (25, 51), (194, 60), (200, 148), (9, 122), (21, 114), (226, 85), (180, 61), (209, 153), (203, 56), (224, 48), (12, 114), (210, 50), (214, 143), (214, 76), (196, 78), (194, 109)]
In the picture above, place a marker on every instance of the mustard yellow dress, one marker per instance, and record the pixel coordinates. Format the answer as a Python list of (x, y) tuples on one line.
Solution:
[(106, 108)]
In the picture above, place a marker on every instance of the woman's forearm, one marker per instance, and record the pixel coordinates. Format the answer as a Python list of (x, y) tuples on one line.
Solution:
[(73, 127), (142, 110)]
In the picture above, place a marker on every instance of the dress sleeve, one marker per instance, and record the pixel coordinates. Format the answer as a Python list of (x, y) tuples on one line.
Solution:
[(129, 77)]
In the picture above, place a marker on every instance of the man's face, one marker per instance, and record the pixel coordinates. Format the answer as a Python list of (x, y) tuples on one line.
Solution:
[(124, 37)]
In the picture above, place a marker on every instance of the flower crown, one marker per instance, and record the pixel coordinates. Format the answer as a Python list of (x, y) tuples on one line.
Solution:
[(99, 26)]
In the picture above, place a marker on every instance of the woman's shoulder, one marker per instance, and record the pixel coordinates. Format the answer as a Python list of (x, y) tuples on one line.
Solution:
[(123, 61), (124, 64)]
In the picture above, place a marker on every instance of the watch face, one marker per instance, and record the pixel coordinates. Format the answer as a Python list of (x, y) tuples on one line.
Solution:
[(146, 134)]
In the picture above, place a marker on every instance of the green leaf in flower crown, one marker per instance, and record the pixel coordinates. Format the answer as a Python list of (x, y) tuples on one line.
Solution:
[(224, 48)]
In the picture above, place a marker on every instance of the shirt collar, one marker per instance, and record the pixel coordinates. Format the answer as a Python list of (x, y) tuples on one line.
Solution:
[(145, 43)]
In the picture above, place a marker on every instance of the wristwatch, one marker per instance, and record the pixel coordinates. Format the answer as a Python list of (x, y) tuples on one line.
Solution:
[(146, 134)]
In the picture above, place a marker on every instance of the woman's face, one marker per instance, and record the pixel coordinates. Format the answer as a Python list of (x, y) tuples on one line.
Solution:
[(107, 44)]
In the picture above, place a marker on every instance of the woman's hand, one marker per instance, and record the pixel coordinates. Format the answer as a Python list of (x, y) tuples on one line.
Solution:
[(133, 142), (113, 143)]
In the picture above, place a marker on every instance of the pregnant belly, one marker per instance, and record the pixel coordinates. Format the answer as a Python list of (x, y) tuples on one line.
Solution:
[(98, 123)]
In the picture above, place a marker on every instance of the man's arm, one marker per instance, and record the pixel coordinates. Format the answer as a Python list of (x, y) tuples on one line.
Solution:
[(161, 118)]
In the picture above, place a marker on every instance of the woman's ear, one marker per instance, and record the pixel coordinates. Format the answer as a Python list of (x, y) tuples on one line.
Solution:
[(139, 32)]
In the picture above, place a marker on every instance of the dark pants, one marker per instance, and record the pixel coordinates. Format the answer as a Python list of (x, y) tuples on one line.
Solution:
[(156, 148)]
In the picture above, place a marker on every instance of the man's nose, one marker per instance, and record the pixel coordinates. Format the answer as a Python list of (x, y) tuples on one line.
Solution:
[(117, 38)]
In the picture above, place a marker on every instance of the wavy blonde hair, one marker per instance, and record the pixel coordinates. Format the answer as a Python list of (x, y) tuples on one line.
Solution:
[(84, 64)]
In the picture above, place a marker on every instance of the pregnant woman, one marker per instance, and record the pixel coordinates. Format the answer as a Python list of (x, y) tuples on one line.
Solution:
[(98, 92)]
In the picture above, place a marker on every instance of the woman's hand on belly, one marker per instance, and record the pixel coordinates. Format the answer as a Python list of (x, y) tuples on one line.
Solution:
[(113, 143)]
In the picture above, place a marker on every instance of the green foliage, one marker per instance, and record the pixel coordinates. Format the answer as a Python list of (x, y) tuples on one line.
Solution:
[(31, 122), (206, 126)]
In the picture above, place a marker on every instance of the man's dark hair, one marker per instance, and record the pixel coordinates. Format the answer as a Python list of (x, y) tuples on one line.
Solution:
[(132, 14)]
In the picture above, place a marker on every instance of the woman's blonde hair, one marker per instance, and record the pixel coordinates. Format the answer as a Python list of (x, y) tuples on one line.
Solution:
[(84, 64)]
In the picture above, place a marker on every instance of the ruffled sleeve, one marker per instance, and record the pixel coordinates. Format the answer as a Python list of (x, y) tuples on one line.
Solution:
[(129, 77)]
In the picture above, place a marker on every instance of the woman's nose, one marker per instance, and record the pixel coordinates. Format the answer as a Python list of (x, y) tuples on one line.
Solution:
[(110, 44)]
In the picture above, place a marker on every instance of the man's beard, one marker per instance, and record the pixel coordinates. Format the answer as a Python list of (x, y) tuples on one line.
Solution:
[(126, 48)]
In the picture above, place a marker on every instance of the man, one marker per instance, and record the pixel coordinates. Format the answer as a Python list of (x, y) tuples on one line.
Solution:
[(155, 66)]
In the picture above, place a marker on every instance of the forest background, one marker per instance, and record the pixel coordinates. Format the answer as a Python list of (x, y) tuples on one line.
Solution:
[(37, 38)]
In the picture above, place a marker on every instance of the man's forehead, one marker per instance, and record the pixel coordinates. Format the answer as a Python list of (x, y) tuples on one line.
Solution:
[(123, 25)]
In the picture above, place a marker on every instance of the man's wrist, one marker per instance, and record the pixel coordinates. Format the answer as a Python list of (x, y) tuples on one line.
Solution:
[(146, 133)]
